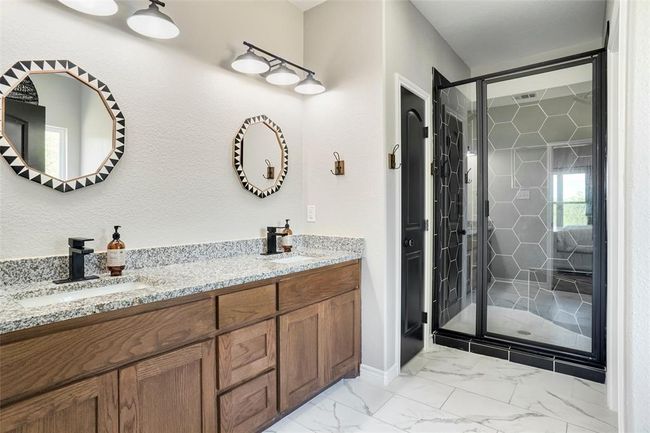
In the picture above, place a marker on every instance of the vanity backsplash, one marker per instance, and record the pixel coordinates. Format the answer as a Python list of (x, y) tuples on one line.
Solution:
[(29, 270)]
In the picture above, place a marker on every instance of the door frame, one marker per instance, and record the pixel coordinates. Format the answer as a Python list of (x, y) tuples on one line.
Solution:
[(400, 82)]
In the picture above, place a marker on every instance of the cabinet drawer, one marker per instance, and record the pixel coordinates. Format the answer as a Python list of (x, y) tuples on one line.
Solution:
[(249, 406), (31, 365), (246, 352), (299, 291), (246, 305)]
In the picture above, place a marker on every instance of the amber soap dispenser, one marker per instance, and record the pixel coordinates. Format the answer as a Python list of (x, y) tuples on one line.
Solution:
[(116, 254)]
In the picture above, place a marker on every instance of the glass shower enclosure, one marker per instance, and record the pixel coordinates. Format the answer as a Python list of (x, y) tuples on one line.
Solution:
[(519, 208)]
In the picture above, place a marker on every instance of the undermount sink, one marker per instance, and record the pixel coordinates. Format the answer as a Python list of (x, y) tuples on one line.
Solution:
[(292, 259), (77, 291)]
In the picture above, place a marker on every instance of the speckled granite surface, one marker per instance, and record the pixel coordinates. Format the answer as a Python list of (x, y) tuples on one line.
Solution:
[(167, 281), (30, 270)]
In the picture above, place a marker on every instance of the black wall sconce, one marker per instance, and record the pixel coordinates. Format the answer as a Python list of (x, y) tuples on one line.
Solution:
[(270, 171), (392, 159), (339, 165)]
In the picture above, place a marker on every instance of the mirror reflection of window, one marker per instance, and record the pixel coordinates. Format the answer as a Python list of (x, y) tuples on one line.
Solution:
[(56, 148), (569, 200)]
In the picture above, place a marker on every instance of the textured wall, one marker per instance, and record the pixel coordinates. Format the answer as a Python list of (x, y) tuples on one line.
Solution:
[(183, 106), (637, 302)]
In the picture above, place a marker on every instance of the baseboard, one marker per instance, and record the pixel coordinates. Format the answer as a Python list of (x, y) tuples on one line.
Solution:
[(378, 377)]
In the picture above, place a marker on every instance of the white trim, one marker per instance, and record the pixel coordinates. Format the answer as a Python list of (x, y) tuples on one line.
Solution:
[(379, 377), (401, 81)]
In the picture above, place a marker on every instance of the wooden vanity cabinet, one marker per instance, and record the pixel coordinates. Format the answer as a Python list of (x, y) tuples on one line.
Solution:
[(86, 406), (227, 361), (171, 393)]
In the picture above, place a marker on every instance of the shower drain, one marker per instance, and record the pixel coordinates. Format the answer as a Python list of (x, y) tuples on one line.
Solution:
[(523, 332)]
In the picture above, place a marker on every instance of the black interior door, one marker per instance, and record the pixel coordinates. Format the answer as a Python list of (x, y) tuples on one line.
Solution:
[(413, 225)]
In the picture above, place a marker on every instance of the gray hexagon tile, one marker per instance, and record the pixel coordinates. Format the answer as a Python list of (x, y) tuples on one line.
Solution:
[(530, 155), (557, 100), (531, 139), (529, 119), (582, 133), (502, 188), (504, 135), (503, 241), (532, 205), (558, 129), (529, 229), (502, 109), (504, 215), (501, 162), (529, 256), (531, 174)]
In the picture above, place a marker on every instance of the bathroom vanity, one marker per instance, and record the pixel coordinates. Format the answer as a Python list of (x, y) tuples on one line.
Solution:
[(228, 358)]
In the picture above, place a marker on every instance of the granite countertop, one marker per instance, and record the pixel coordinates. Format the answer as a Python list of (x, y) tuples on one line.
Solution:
[(153, 284)]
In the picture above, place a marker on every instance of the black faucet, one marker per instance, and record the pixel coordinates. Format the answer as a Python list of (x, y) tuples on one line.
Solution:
[(272, 240), (77, 252)]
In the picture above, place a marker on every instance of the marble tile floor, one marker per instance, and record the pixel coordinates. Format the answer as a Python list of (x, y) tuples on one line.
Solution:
[(450, 391), (520, 324)]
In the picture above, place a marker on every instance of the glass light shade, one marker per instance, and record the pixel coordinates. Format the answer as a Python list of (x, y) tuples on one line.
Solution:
[(100, 8), (153, 23), (250, 63), (310, 86), (282, 76)]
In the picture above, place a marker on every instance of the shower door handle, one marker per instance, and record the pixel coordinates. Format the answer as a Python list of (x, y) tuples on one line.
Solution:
[(461, 232)]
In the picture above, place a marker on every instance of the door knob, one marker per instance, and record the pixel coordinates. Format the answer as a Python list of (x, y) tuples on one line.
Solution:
[(408, 242), (461, 232)]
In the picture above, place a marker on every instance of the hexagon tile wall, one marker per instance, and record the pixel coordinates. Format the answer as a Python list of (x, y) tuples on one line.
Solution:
[(533, 266)]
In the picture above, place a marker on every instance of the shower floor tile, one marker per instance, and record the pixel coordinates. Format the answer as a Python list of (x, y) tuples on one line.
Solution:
[(520, 324), (447, 390)]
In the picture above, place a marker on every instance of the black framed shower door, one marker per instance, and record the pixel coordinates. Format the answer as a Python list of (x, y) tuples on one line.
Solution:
[(519, 208)]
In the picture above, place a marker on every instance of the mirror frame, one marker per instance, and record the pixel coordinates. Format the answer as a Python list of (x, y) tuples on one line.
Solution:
[(239, 163), (19, 71)]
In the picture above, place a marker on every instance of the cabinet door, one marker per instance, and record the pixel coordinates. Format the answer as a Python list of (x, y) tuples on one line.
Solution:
[(302, 370), (246, 352), (249, 406), (171, 393), (343, 329), (86, 406)]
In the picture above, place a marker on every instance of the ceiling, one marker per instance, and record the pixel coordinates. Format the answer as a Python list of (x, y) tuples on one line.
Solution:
[(304, 5), (490, 32)]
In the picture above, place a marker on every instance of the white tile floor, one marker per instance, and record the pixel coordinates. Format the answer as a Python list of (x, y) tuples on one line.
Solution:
[(448, 390)]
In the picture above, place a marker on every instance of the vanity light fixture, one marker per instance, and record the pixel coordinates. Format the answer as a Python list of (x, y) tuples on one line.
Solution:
[(275, 70), (151, 22), (282, 76), (250, 63), (102, 8), (310, 86)]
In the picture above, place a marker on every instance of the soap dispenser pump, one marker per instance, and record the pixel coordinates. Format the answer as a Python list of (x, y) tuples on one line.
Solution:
[(287, 238), (116, 254)]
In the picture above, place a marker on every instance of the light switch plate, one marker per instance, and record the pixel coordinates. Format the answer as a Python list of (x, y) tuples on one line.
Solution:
[(523, 194), (311, 213)]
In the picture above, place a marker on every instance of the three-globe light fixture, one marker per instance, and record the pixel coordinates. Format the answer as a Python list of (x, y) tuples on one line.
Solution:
[(276, 70), (150, 22)]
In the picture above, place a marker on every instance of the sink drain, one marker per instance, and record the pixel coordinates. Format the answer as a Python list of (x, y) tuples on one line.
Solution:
[(523, 332)]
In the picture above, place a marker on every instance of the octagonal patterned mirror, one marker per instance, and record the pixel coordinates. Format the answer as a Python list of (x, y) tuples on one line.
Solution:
[(61, 126), (261, 156)]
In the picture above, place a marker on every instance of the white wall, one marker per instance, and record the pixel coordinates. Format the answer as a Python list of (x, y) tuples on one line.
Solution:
[(540, 57), (357, 47), (343, 43), (183, 106), (637, 236), (413, 49)]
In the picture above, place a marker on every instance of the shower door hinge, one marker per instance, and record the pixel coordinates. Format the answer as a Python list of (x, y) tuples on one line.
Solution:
[(426, 225), (426, 132), (425, 317), (433, 169), (487, 208)]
